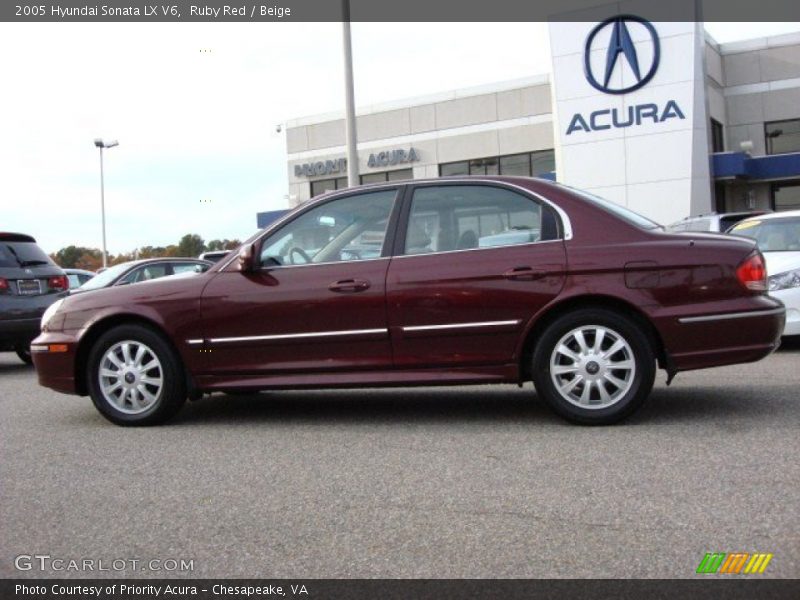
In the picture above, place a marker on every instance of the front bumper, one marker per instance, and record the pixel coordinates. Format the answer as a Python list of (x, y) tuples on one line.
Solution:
[(54, 355), (791, 298)]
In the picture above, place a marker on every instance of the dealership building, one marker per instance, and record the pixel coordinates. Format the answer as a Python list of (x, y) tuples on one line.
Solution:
[(655, 116)]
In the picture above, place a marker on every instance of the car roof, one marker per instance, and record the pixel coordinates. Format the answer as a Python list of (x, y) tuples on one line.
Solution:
[(784, 214), (738, 213), (160, 259)]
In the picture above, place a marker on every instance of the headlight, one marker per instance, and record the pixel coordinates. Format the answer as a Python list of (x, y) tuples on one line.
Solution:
[(784, 281), (51, 310)]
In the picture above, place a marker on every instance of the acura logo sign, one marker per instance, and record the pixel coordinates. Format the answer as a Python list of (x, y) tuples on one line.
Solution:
[(621, 49)]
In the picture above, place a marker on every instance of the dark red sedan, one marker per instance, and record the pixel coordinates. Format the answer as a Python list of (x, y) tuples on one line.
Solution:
[(436, 282)]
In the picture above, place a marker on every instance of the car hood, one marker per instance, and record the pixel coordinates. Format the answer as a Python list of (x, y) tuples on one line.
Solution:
[(780, 262), (165, 288)]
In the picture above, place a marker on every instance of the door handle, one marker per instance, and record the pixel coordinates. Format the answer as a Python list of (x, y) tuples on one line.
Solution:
[(524, 274), (349, 285)]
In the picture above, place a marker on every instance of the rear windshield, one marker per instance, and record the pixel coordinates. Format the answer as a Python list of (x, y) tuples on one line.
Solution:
[(617, 210), (772, 235), (22, 254)]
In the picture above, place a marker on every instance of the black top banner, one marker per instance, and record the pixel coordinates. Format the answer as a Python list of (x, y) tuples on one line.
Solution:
[(396, 10)]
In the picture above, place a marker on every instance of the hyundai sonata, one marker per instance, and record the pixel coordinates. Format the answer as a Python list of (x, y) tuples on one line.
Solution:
[(425, 282)]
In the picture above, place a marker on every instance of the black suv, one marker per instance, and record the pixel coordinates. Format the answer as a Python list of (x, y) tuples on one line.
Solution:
[(29, 283)]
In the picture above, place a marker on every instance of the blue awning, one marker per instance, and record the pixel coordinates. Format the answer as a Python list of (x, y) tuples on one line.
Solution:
[(740, 165)]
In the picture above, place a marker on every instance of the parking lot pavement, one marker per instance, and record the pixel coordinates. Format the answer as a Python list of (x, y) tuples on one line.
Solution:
[(451, 482)]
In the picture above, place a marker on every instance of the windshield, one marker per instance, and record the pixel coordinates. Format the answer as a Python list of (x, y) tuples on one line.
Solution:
[(618, 210), (103, 279), (22, 254), (772, 235)]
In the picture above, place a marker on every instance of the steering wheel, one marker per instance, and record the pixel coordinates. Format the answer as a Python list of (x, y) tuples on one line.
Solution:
[(301, 252)]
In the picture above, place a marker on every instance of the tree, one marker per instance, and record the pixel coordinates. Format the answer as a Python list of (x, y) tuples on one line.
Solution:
[(90, 261), (69, 257), (225, 244), (190, 245)]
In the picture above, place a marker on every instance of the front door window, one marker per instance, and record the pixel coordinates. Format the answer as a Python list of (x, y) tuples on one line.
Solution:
[(348, 229)]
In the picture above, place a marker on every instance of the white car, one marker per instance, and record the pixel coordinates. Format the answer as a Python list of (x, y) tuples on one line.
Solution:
[(778, 237)]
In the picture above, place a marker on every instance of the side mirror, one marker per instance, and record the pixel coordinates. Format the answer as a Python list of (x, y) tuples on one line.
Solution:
[(246, 260)]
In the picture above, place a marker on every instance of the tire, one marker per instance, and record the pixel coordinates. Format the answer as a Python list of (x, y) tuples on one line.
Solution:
[(625, 375), (24, 353), (150, 387)]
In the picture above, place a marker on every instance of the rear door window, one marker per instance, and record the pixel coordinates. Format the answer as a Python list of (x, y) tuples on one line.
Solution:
[(453, 217)]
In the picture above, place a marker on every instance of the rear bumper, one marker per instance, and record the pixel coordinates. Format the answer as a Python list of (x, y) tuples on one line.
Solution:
[(55, 369), (716, 339), (20, 317), (17, 331)]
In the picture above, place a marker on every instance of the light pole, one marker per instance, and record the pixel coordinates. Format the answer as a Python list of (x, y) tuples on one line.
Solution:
[(102, 145), (351, 137)]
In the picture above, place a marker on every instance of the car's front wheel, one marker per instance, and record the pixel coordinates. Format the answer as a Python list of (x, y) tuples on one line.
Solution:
[(134, 376), (594, 366)]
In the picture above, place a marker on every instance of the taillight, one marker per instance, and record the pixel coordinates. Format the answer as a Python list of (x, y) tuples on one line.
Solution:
[(59, 282), (3, 285), (752, 273)]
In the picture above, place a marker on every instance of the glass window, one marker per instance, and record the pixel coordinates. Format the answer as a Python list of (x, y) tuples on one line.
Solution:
[(446, 218), (400, 175), (620, 211), (105, 278), (189, 268), (522, 165), (782, 136), (351, 228), (145, 273), (327, 185), (373, 178), (772, 235), (454, 168), (484, 166), (388, 176), (719, 196), (786, 196), (22, 254), (717, 139), (543, 162), (516, 164)]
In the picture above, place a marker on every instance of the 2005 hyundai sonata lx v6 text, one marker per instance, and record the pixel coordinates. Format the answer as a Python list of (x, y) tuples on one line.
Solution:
[(425, 282)]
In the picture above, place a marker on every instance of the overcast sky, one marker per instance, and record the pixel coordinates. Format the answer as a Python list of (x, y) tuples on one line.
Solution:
[(194, 107)]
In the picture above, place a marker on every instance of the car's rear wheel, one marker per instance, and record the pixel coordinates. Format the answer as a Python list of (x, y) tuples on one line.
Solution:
[(134, 377), (24, 353), (594, 366)]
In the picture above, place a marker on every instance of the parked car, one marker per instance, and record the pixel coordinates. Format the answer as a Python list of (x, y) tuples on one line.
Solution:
[(778, 237), (714, 222), (77, 277), (146, 269), (214, 255), (586, 308), (29, 282)]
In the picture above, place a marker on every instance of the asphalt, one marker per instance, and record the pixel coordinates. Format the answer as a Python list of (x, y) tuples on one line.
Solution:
[(428, 482)]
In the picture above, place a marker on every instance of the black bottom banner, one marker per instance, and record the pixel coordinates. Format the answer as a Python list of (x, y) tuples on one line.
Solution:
[(416, 589)]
